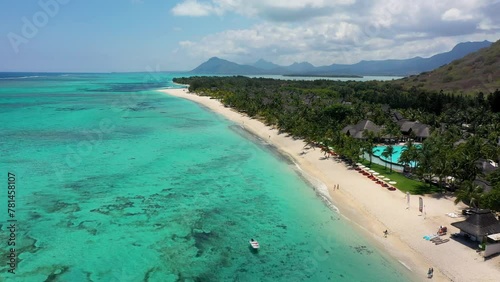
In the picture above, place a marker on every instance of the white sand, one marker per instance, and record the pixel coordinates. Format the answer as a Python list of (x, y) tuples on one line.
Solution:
[(375, 209)]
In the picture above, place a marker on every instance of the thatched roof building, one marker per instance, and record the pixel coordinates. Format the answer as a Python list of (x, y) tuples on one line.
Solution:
[(356, 131), (479, 224), (420, 130)]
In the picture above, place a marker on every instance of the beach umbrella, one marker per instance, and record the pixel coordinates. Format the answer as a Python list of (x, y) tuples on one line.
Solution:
[(387, 178), (392, 182), (371, 170), (375, 173)]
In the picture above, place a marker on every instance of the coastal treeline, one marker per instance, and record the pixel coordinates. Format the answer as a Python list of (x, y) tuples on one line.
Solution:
[(465, 128)]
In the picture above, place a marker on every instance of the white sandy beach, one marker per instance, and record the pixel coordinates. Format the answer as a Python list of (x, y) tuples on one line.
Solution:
[(375, 209)]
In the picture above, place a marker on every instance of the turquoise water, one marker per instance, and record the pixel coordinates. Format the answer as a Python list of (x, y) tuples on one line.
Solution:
[(398, 149), (118, 182)]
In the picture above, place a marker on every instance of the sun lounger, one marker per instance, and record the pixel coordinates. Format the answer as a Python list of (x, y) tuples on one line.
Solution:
[(441, 241), (435, 238)]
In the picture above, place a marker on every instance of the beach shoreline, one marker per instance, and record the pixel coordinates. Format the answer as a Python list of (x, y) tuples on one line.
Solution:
[(372, 208)]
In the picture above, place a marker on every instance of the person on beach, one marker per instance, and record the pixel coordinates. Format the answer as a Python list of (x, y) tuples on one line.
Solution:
[(385, 233), (430, 272)]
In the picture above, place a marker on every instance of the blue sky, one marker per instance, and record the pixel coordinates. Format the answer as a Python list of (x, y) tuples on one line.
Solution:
[(134, 35)]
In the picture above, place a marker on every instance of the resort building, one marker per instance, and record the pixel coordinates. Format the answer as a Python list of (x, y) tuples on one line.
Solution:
[(409, 129), (482, 226), (487, 167), (356, 131), (419, 130)]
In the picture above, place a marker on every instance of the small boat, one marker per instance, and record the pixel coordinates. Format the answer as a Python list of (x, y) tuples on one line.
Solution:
[(254, 244)]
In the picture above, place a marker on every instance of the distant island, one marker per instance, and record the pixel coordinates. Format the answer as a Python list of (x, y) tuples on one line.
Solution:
[(324, 75)]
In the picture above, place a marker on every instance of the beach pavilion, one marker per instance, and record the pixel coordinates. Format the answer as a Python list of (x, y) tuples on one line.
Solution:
[(481, 226)]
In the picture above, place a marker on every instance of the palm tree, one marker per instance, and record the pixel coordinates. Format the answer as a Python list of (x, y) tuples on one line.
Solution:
[(387, 153), (425, 160), (464, 159), (309, 143), (443, 160), (355, 148), (409, 154), (369, 144), (393, 131), (469, 193)]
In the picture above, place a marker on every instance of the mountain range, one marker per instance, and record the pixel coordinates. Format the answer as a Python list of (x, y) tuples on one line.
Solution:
[(401, 67)]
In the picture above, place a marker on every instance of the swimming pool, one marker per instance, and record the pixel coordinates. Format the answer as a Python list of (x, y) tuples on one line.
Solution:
[(398, 149)]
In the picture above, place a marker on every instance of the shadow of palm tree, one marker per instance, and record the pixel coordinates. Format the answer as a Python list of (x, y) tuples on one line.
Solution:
[(442, 195), (425, 189)]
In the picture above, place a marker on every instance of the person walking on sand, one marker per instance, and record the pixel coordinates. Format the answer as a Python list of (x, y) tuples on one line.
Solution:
[(385, 233), (430, 272)]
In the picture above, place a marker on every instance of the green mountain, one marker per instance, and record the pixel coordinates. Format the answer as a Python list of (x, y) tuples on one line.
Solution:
[(476, 72), (220, 66), (265, 65)]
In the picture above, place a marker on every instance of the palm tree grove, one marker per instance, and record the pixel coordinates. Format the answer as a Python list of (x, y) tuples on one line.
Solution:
[(459, 156)]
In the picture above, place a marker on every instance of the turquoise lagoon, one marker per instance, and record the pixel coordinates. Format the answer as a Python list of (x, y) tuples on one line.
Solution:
[(118, 182)]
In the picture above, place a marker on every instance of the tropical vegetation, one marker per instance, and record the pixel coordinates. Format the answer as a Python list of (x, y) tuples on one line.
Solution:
[(466, 127)]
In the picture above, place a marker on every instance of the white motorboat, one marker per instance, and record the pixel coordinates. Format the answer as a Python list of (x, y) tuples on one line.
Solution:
[(254, 244)]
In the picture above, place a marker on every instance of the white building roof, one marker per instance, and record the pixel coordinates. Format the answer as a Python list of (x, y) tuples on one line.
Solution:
[(495, 237)]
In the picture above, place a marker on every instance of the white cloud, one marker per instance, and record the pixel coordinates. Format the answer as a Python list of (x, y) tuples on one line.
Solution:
[(455, 14), (488, 24), (276, 10), (193, 8), (347, 31)]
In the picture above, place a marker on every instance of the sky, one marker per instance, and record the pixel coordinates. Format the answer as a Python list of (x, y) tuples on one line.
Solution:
[(178, 35)]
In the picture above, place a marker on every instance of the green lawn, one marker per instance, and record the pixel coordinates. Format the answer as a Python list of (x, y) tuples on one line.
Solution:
[(402, 183)]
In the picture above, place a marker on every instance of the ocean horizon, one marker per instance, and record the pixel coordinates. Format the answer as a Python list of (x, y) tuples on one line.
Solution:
[(116, 181)]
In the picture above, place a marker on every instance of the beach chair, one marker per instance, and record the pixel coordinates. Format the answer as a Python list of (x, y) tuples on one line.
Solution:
[(435, 239), (441, 241)]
